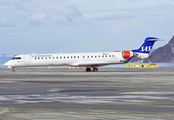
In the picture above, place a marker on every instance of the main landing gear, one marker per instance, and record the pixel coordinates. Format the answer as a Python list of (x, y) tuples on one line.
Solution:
[(88, 69), (95, 69)]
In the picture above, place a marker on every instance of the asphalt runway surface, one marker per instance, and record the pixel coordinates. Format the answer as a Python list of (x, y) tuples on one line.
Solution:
[(111, 93)]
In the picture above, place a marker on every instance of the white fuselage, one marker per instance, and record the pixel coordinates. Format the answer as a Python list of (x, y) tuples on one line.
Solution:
[(67, 59), (88, 60)]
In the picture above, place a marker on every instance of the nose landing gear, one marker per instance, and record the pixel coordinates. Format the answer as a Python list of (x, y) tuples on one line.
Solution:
[(13, 69)]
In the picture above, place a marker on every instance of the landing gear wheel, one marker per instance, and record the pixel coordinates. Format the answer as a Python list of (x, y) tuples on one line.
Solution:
[(95, 69), (88, 69), (13, 69)]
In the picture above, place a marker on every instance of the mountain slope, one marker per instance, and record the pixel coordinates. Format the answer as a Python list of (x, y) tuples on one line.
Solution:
[(163, 54)]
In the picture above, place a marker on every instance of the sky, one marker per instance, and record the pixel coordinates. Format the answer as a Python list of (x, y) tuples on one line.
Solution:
[(53, 26)]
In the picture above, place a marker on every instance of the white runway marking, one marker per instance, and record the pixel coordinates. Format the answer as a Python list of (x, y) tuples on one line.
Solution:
[(22, 99), (3, 110)]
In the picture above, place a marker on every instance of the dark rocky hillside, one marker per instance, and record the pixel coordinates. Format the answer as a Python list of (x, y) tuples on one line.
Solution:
[(163, 54)]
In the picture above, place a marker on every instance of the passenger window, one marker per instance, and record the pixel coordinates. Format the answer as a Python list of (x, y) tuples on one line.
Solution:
[(68, 57), (35, 58), (57, 57), (112, 55), (74, 56), (88, 56), (91, 56), (106, 56), (95, 56), (99, 56), (60, 57), (71, 56), (38, 58), (83, 56), (102, 56), (64, 57), (78, 56), (109, 55), (45, 57)]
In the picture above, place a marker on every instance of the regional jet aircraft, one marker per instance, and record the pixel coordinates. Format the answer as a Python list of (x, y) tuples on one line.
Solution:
[(88, 60)]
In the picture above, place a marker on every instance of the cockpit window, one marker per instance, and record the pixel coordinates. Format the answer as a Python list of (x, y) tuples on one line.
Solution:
[(16, 58)]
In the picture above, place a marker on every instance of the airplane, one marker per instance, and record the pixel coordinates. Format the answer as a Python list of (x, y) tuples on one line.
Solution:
[(88, 60)]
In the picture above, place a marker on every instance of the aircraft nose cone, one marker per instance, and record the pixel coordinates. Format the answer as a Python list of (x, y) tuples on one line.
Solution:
[(7, 64)]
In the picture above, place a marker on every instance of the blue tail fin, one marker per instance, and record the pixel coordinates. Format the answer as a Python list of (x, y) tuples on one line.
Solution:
[(147, 45)]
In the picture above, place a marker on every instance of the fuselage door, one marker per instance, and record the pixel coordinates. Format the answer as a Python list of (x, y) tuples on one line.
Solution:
[(27, 60)]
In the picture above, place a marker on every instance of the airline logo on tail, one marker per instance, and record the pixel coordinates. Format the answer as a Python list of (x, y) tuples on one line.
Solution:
[(146, 48), (147, 45)]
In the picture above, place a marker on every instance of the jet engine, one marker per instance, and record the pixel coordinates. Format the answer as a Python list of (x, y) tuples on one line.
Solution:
[(127, 54)]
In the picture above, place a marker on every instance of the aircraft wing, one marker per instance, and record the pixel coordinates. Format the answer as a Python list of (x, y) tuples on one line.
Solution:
[(95, 64)]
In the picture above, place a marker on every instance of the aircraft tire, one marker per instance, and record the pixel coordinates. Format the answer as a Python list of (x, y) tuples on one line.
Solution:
[(13, 69), (95, 69), (88, 69)]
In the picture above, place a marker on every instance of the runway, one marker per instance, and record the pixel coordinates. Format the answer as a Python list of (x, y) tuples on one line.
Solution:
[(111, 93)]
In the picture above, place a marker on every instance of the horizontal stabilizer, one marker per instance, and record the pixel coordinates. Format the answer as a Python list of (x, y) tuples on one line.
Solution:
[(154, 40)]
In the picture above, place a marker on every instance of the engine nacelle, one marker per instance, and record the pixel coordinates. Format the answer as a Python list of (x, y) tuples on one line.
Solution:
[(143, 55), (127, 54)]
